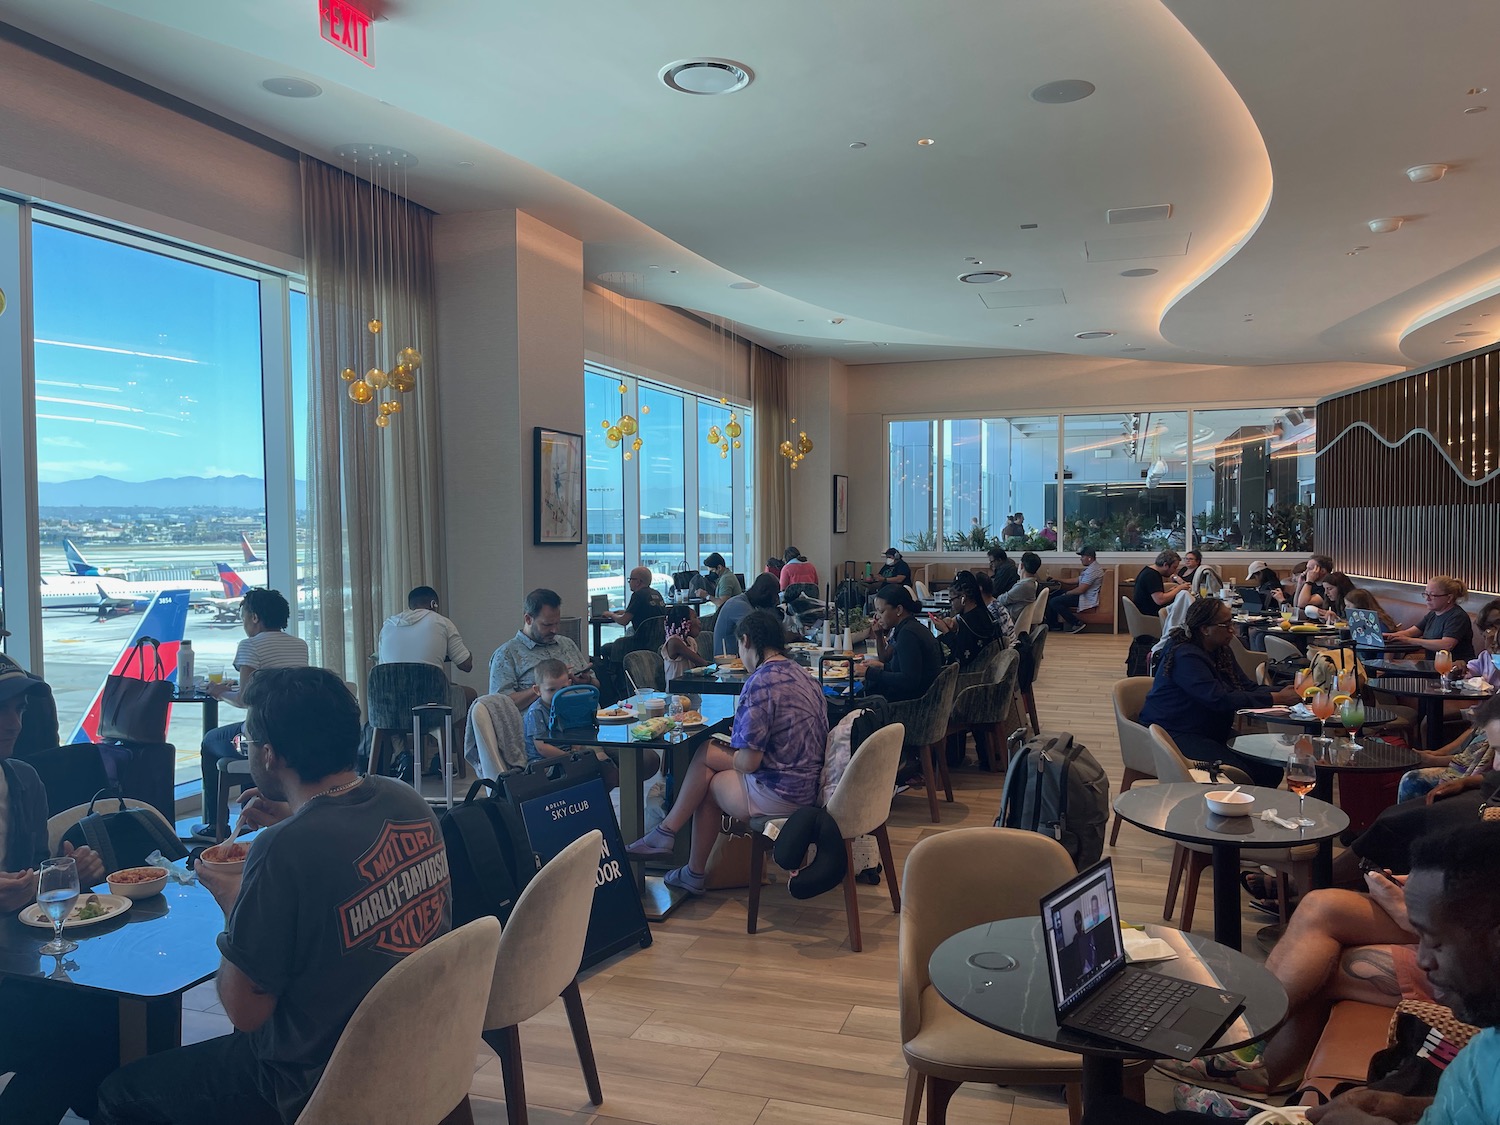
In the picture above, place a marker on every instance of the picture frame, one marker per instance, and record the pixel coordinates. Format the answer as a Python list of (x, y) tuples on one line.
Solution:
[(557, 488), (840, 503)]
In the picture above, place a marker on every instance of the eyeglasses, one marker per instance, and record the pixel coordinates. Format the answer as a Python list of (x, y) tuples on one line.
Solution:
[(1429, 595), (243, 742), (1218, 625)]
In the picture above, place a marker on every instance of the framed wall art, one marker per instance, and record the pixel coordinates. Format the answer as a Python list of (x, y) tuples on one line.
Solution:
[(557, 515), (840, 503)]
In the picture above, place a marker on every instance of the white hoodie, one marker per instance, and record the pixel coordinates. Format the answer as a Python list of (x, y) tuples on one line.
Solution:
[(421, 636)]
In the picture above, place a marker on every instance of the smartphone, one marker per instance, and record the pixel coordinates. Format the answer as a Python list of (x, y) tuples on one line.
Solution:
[(1366, 865)]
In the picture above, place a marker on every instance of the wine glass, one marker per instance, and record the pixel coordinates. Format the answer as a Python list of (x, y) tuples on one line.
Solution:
[(1301, 776), (1288, 612), (1322, 709), (56, 892), (1352, 715), (1442, 664)]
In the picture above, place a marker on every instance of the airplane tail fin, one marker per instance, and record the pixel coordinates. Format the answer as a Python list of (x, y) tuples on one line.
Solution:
[(234, 585), (164, 621), (77, 564), (250, 555)]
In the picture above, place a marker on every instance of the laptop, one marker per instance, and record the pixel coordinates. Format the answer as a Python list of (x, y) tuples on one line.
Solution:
[(1096, 993), (1253, 600), (1364, 628)]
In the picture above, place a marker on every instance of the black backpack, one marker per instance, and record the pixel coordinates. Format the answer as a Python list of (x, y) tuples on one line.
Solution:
[(490, 860), (1138, 659), (124, 837), (851, 595), (1056, 787)]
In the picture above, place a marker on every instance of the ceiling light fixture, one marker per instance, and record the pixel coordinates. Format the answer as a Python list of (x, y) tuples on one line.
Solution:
[(1476, 109), (1475, 91), (1029, 226), (291, 87), (1426, 173), (1062, 91), (466, 164), (1143, 271), (1097, 335), (983, 277), (858, 144), (926, 142), (706, 76), (1471, 333), (1385, 226), (744, 285)]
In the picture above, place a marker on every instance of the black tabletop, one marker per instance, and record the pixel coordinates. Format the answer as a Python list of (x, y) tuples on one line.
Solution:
[(161, 946), (1412, 685), (1178, 812), (1373, 717), (1421, 669), (1375, 755), (714, 708), (997, 974)]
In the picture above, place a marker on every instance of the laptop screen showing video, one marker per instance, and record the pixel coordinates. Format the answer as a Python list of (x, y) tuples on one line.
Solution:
[(1080, 921)]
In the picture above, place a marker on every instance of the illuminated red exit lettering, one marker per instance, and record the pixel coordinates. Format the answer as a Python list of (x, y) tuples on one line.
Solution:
[(347, 28)]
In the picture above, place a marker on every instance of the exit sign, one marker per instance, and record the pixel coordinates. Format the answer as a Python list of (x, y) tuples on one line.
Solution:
[(347, 28)]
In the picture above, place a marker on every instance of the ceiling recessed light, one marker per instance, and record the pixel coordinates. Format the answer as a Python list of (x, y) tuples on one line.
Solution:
[(926, 142), (1144, 271), (744, 285), (1385, 226), (1133, 348), (653, 266), (1029, 226), (983, 277), (671, 271), (706, 76), (466, 164), (292, 87), (1062, 91), (1097, 335), (1476, 109), (1475, 91), (1453, 341), (858, 144), (1471, 333), (1426, 173)]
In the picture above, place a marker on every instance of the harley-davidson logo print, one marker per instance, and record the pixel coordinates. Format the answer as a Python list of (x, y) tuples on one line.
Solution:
[(401, 905)]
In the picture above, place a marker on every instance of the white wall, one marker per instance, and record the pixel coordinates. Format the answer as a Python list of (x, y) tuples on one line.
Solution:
[(819, 401), (76, 139), (510, 333)]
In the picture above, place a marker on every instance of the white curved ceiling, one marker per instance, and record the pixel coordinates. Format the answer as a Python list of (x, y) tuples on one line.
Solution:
[(1273, 129)]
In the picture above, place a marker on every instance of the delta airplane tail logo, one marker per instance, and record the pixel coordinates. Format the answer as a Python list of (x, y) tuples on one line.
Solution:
[(250, 555), (164, 621), (400, 908), (234, 585)]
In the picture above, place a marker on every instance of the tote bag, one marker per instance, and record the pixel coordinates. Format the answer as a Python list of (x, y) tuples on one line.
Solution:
[(134, 709)]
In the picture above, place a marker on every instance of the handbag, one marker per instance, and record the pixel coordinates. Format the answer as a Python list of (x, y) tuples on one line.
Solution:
[(135, 708), (125, 837)]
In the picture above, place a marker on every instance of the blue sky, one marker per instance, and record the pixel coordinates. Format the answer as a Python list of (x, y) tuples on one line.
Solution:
[(146, 366)]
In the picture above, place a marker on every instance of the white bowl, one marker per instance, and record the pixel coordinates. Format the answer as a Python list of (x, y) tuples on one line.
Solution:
[(1225, 802), (144, 888), (227, 866)]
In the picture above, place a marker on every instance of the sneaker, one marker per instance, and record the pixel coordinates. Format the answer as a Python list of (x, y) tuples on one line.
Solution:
[(1211, 1103), (1080, 627), (1225, 1071), (206, 832), (682, 879), (659, 843)]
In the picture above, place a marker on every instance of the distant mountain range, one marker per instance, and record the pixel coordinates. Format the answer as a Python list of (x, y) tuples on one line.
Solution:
[(164, 492)]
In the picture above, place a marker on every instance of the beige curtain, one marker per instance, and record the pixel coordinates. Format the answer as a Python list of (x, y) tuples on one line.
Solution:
[(770, 397), (375, 501)]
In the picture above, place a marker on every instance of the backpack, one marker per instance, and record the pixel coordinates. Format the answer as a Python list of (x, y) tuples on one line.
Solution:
[(573, 707), (1326, 663), (1138, 659), (851, 595), (490, 860), (125, 837), (1056, 787), (1025, 661)]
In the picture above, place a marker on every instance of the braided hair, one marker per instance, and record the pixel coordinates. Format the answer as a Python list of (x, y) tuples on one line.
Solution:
[(1200, 615)]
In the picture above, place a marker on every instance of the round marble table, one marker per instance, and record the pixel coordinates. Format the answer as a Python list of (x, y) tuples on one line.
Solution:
[(1178, 812), (1374, 756), (1430, 697)]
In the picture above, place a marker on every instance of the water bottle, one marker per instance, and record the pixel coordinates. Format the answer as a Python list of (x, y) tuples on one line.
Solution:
[(185, 668)]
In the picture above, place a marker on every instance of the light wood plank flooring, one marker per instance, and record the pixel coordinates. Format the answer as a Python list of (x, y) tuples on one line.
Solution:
[(789, 1027)]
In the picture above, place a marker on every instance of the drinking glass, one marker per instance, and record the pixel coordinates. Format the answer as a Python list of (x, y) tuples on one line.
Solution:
[(1287, 614), (1322, 709), (1352, 715), (1301, 776), (1301, 679), (56, 892), (1442, 664)]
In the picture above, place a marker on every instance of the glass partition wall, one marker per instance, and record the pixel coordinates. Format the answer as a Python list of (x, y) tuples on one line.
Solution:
[(1221, 480)]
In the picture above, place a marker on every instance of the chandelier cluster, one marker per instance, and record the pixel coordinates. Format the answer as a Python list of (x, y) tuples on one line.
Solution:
[(729, 434), (624, 427), (400, 379), (795, 453)]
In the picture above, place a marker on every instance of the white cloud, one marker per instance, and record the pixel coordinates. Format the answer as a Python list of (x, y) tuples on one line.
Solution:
[(64, 442)]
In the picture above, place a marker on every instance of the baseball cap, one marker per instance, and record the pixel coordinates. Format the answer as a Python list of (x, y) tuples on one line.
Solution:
[(15, 680), (889, 551), (1087, 552), (1255, 568)]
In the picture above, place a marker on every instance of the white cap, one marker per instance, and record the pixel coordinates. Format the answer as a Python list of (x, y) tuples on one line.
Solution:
[(1255, 568)]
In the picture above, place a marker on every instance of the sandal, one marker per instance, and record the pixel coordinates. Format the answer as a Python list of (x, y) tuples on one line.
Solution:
[(1259, 884)]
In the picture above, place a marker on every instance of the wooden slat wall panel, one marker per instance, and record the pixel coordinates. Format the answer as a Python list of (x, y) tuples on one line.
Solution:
[(1406, 513)]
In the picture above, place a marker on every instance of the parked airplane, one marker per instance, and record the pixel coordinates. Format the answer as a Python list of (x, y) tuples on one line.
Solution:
[(117, 587), (250, 555), (164, 621), (226, 608)]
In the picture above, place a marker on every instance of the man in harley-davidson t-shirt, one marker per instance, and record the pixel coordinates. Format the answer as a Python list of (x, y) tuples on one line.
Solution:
[(351, 878)]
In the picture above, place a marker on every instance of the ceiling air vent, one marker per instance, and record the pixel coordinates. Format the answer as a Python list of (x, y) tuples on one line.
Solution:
[(1150, 214)]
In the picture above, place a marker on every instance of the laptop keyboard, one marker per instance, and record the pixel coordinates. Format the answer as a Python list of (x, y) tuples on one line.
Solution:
[(1132, 1010)]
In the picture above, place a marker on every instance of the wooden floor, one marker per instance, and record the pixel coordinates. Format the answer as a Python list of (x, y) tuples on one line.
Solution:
[(789, 1027)]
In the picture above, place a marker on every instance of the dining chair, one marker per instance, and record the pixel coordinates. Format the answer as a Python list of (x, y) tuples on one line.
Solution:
[(381, 1073), (925, 721), (537, 961), (499, 735), (1137, 623), (1027, 677), (1136, 749), (860, 805), (645, 669), (954, 880), (59, 823), (394, 690), (984, 707), (1293, 866), (1249, 661), (1279, 649)]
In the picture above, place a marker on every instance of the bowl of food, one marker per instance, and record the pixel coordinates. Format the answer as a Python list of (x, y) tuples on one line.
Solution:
[(138, 882), (227, 858), (1228, 802)]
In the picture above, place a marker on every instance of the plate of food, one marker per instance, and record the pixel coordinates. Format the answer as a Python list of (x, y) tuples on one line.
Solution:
[(614, 715), (691, 720), (89, 908), (731, 665)]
